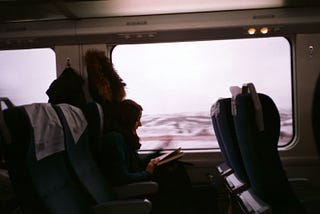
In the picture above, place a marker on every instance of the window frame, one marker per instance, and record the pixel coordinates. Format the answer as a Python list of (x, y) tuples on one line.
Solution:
[(290, 39)]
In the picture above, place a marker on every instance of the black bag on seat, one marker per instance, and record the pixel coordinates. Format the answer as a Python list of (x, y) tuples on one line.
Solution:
[(175, 188)]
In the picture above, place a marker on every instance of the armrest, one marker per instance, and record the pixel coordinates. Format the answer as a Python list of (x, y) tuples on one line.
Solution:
[(136, 189), (301, 186), (234, 184), (119, 207), (300, 182), (224, 169), (250, 203)]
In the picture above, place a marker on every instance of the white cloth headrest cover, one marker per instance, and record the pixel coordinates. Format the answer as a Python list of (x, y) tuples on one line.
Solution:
[(47, 129), (75, 119)]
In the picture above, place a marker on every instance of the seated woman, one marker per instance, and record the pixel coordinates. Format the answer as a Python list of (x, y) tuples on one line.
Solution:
[(121, 145), (123, 164)]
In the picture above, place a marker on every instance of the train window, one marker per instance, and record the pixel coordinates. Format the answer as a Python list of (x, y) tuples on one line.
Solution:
[(26, 74), (176, 83)]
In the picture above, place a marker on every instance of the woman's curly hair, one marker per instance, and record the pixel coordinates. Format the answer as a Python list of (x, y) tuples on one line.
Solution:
[(104, 82)]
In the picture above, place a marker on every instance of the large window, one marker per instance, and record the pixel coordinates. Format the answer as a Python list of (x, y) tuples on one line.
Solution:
[(26, 74), (177, 83)]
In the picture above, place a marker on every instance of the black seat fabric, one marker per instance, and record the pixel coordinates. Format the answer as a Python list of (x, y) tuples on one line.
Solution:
[(218, 135), (316, 114), (42, 186), (94, 116), (257, 125), (222, 121), (82, 162), (85, 170)]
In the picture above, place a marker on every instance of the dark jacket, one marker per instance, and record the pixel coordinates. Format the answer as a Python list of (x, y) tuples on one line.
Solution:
[(67, 88), (123, 165)]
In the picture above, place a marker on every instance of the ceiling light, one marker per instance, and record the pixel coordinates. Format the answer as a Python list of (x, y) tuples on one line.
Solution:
[(264, 30), (251, 31)]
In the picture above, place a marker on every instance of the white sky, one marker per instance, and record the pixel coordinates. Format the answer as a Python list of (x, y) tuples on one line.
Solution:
[(26, 75), (191, 76)]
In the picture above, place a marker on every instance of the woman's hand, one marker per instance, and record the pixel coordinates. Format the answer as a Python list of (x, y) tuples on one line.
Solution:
[(152, 165)]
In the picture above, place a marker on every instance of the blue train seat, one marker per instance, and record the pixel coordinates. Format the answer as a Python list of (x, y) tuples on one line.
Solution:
[(79, 155), (41, 174), (223, 126), (42, 182), (225, 167), (257, 126), (95, 118), (236, 181)]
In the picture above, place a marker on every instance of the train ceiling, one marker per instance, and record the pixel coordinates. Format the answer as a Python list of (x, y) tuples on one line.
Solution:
[(41, 10)]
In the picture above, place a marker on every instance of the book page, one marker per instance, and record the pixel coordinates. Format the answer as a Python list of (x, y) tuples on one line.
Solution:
[(167, 157)]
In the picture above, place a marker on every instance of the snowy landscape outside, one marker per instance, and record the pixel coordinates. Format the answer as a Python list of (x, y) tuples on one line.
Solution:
[(192, 131)]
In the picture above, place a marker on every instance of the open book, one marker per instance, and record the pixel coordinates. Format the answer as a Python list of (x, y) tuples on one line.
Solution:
[(170, 156)]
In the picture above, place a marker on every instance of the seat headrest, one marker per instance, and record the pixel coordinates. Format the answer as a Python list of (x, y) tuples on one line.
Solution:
[(76, 120), (249, 88), (47, 129), (215, 109)]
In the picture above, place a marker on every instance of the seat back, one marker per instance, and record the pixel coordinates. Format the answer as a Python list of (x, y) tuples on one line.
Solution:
[(224, 128), (215, 110), (42, 185), (94, 116), (257, 126), (316, 114), (79, 154)]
